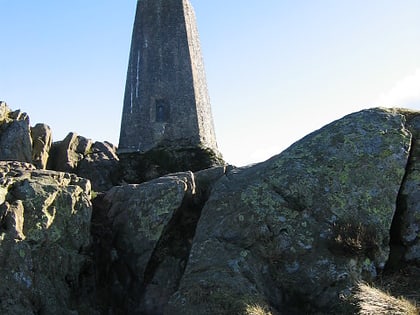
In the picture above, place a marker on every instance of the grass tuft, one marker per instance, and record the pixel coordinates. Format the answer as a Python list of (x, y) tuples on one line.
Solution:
[(254, 309), (371, 301)]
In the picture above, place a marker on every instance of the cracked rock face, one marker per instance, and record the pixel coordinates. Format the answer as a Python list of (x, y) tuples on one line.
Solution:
[(408, 226), (296, 232), (44, 234), (152, 226)]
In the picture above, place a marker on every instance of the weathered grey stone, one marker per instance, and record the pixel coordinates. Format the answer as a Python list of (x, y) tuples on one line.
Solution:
[(141, 215), (97, 161), (106, 148), (100, 165), (409, 199), (138, 167), (44, 235), (66, 154), (41, 144), (15, 138), (144, 234), (296, 232)]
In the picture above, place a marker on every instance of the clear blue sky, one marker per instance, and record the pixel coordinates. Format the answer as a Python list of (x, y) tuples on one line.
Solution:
[(276, 69)]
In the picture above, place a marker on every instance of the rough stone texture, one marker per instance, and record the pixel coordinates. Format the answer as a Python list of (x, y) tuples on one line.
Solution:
[(145, 238), (409, 199), (97, 161), (66, 154), (166, 102), (140, 216), (138, 168), (291, 235), (295, 233), (41, 144), (15, 136), (100, 165), (44, 234)]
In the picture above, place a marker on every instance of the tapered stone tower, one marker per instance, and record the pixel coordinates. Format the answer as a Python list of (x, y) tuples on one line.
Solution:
[(167, 124)]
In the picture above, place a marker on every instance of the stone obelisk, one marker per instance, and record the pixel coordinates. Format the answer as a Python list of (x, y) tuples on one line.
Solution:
[(167, 125)]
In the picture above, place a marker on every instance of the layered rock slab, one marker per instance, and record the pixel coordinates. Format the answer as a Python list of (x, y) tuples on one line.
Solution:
[(44, 236), (295, 233)]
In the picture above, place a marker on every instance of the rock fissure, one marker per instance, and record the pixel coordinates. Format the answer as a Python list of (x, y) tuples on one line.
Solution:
[(173, 247), (142, 239), (396, 244), (404, 224)]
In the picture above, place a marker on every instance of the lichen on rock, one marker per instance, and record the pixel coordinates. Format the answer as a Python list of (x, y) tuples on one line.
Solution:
[(44, 237), (298, 230)]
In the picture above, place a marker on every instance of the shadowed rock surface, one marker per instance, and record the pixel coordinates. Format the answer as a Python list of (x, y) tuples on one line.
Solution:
[(96, 161), (41, 135), (148, 231), (406, 230)]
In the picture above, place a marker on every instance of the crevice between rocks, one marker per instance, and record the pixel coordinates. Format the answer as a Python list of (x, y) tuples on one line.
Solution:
[(166, 267), (149, 292), (396, 244)]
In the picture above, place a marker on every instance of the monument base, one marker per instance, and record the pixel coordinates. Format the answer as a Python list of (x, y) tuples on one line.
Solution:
[(139, 167)]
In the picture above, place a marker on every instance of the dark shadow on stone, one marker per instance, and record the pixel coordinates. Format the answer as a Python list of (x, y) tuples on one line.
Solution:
[(141, 167)]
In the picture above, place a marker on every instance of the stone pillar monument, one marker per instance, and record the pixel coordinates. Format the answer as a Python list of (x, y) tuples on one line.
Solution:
[(167, 125)]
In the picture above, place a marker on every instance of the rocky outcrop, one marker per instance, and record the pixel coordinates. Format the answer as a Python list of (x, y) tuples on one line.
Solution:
[(142, 257), (19, 141), (95, 161), (15, 135), (294, 234), (44, 237), (100, 165), (66, 154)]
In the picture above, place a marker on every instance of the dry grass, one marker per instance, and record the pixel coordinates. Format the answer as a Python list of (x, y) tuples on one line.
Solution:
[(375, 301), (255, 309), (353, 239)]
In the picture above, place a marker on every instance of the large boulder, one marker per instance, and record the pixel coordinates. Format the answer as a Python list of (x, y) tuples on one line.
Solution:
[(15, 135), (44, 236), (295, 233)]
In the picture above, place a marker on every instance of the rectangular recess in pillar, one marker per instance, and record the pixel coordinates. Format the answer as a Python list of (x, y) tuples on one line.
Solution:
[(162, 111)]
